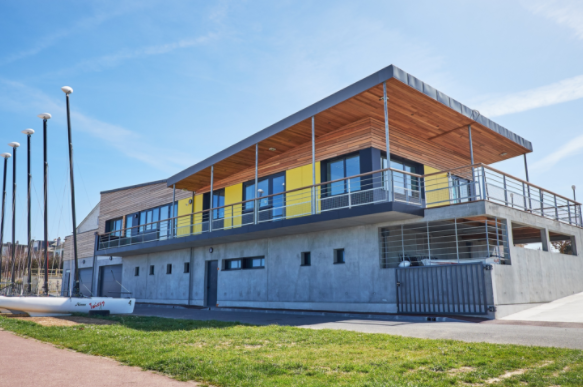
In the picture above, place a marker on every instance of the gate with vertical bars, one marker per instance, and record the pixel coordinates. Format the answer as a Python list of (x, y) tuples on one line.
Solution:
[(442, 289)]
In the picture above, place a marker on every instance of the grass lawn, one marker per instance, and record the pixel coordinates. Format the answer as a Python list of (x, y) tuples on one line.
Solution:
[(232, 354)]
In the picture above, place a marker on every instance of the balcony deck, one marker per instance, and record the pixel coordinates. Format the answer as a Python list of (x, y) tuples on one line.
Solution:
[(374, 197)]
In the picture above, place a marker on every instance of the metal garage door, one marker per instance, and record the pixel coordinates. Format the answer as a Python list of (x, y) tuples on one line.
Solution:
[(447, 289), (110, 281), (85, 281)]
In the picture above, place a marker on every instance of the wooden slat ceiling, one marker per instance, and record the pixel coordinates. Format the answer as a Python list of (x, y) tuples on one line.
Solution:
[(411, 114)]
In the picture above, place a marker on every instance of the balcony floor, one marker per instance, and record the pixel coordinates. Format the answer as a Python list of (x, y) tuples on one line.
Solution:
[(348, 217)]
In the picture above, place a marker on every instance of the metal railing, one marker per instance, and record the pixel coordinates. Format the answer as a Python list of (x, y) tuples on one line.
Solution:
[(454, 186)]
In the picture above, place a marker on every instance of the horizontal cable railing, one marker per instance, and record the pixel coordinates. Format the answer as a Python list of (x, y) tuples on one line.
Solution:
[(454, 186)]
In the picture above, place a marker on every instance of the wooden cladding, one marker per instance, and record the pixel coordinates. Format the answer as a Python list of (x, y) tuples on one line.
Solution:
[(123, 202), (419, 126), (85, 245)]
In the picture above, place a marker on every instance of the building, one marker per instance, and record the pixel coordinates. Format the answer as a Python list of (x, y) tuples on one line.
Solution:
[(308, 214)]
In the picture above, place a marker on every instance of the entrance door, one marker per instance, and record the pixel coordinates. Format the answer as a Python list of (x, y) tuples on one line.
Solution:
[(212, 275), (110, 281)]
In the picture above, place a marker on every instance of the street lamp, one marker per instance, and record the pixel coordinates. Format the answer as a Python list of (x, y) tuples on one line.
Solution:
[(14, 146), (45, 117), (5, 156), (76, 291), (29, 133), (574, 195)]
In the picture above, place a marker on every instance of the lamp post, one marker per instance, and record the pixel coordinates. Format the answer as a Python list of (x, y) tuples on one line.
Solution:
[(14, 146), (76, 288), (574, 194), (5, 156), (29, 133), (45, 117)]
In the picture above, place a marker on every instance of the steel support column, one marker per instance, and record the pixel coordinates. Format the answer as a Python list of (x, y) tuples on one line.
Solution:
[(256, 203), (473, 186), (388, 146), (211, 199), (313, 166)]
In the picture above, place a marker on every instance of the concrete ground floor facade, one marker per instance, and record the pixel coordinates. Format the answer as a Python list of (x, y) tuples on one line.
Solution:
[(358, 284)]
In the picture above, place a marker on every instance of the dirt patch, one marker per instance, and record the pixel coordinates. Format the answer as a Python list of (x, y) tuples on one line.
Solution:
[(510, 374), (461, 370), (66, 321)]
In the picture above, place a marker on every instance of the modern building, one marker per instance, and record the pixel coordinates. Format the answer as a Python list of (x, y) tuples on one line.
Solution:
[(311, 214)]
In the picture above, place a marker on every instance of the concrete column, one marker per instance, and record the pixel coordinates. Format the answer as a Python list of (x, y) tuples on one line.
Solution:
[(545, 239)]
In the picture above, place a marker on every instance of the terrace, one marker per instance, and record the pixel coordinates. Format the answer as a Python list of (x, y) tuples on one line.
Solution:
[(415, 192)]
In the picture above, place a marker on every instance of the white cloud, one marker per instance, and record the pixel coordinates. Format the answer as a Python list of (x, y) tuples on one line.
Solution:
[(84, 24), (572, 147), (555, 93), (18, 97), (112, 60), (568, 13)]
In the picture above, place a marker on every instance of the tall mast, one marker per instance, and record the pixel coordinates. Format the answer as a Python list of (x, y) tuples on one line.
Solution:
[(14, 146), (28, 132), (76, 291), (45, 117), (6, 156)]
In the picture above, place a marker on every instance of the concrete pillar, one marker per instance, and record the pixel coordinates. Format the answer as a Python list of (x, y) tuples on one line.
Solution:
[(545, 239)]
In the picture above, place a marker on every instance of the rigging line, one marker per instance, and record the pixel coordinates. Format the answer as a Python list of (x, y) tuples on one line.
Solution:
[(84, 187)]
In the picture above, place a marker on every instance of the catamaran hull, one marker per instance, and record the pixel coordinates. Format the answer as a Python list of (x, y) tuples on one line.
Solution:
[(45, 306)]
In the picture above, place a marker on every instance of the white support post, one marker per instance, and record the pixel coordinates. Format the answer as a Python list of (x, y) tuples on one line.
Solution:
[(256, 203), (387, 143), (174, 219), (457, 247), (313, 166), (473, 186), (349, 194), (487, 238), (211, 199)]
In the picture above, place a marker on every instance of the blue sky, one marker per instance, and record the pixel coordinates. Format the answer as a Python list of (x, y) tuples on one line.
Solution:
[(161, 85)]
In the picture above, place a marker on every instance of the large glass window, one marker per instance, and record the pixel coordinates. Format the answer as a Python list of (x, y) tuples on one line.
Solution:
[(114, 226), (403, 184), (271, 185), (341, 168), (219, 201)]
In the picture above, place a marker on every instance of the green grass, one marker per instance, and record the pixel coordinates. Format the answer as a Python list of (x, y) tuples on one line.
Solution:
[(232, 354)]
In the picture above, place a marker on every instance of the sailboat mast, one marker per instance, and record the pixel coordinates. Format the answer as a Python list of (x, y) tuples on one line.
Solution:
[(76, 288), (45, 117), (29, 133), (6, 156)]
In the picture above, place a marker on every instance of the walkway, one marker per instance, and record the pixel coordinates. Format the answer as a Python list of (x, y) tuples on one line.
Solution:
[(28, 363), (566, 310), (500, 332)]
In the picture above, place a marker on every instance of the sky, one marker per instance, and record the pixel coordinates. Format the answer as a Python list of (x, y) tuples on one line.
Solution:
[(161, 85)]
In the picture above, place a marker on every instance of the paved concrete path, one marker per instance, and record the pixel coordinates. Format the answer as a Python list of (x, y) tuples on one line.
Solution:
[(510, 332), (27, 362), (567, 309)]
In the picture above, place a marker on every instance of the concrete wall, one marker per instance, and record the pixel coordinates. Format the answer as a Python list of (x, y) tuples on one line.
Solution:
[(357, 285)]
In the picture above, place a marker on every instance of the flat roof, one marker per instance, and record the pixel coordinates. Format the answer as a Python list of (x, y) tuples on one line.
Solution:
[(351, 91)]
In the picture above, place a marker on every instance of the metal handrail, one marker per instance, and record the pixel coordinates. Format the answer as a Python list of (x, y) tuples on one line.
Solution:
[(477, 177)]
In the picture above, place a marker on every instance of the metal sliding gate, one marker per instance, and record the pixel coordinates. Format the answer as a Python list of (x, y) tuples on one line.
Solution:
[(444, 289)]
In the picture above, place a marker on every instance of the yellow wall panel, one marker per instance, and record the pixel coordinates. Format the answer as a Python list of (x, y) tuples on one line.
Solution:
[(233, 214), (436, 188), (183, 222), (197, 221), (299, 203)]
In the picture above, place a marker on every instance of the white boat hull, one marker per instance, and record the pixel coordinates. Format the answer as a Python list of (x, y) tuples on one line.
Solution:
[(37, 306)]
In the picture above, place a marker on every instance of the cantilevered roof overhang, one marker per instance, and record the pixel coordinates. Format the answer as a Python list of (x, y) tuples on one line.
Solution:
[(416, 110)]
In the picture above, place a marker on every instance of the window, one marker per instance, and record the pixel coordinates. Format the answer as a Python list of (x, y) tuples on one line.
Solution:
[(561, 243), (151, 221), (244, 263), (219, 201), (270, 185), (306, 259), (113, 226), (403, 184), (339, 256), (186, 267), (151, 269), (169, 268), (137, 271), (340, 168)]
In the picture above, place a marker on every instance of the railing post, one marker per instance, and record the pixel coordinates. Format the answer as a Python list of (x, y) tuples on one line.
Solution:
[(392, 185), (512, 199), (428, 243), (457, 247), (556, 208), (174, 212), (497, 237), (349, 195), (402, 243), (524, 196), (505, 190), (256, 202), (483, 182), (487, 239), (211, 199), (569, 211), (542, 200), (580, 215)]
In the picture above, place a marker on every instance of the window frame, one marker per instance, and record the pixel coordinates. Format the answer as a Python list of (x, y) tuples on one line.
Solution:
[(327, 192), (244, 263), (336, 260)]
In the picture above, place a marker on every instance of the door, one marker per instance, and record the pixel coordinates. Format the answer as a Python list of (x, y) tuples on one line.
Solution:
[(85, 281), (212, 275), (110, 281)]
